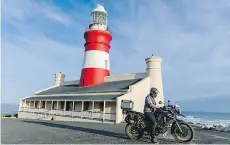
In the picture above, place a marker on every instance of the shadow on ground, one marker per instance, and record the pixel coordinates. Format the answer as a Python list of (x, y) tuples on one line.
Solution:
[(95, 131), (83, 129)]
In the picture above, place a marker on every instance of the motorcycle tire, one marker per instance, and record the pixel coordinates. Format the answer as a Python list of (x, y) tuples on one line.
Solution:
[(128, 130), (173, 132)]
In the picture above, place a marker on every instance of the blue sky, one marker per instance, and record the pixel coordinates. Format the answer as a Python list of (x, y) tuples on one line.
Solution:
[(42, 37)]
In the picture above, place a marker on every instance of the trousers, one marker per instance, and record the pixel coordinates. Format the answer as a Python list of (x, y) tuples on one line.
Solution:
[(152, 119)]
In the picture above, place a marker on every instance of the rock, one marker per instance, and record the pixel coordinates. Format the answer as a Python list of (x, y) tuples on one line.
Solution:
[(208, 127), (220, 127), (226, 129), (190, 122), (217, 127)]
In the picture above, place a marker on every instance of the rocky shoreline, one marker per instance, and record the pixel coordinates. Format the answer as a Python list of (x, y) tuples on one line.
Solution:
[(219, 127)]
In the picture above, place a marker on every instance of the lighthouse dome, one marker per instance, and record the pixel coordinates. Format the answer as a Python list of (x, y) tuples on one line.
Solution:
[(99, 8), (99, 15)]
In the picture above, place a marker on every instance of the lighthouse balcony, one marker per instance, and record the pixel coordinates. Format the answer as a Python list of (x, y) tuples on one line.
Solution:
[(98, 26)]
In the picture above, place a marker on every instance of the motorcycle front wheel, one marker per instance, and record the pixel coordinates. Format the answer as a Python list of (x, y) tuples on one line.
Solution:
[(187, 131), (132, 132)]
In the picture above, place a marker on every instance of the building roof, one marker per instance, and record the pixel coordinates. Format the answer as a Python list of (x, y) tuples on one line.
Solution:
[(106, 97), (113, 78), (115, 86)]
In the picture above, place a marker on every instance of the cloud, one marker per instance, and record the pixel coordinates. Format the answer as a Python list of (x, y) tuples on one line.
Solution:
[(34, 60), (32, 53), (191, 36), (24, 10)]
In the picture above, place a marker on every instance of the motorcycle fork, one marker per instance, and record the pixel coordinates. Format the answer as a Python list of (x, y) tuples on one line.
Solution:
[(178, 126)]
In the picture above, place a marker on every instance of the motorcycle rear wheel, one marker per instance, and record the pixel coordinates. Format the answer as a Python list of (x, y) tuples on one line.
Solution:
[(129, 130)]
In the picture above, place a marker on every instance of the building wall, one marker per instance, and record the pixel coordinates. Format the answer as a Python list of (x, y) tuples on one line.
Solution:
[(23, 103), (154, 71), (110, 107), (20, 105), (55, 105), (28, 104), (96, 107), (48, 105), (137, 94), (77, 106)]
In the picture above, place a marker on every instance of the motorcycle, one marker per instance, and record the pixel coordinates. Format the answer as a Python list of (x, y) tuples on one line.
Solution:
[(166, 118)]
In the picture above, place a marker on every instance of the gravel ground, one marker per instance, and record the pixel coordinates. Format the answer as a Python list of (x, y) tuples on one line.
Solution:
[(24, 131)]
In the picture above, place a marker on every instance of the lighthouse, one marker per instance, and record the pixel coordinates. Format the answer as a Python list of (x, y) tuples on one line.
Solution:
[(96, 64)]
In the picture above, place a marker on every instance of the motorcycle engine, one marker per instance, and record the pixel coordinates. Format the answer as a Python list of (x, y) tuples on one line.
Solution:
[(161, 124)]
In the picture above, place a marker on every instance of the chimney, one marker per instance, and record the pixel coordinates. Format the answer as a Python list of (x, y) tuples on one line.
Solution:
[(153, 70), (59, 78)]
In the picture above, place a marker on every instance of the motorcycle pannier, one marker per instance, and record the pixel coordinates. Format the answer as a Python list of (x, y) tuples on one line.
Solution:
[(127, 104)]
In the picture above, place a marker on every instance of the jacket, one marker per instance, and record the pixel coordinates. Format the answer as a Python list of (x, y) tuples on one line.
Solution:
[(148, 103)]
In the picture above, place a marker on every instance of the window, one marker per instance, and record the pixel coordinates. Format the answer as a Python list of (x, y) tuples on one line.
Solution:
[(53, 105), (43, 104), (62, 104), (101, 105), (86, 106), (106, 64), (68, 107), (36, 104), (99, 17)]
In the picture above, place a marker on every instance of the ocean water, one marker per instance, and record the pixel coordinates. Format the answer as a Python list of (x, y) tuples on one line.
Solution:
[(208, 118)]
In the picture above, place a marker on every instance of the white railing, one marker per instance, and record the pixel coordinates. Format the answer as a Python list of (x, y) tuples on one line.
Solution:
[(68, 113), (41, 110), (110, 117), (98, 115), (30, 110), (76, 113), (84, 114), (59, 112)]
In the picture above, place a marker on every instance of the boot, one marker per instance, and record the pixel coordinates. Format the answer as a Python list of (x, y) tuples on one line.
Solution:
[(154, 140)]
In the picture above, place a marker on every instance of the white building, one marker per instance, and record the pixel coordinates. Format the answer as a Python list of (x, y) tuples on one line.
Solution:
[(65, 100)]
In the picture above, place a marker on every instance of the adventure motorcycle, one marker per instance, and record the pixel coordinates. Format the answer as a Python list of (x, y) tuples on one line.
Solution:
[(166, 118)]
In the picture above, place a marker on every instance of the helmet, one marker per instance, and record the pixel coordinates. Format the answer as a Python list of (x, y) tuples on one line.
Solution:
[(153, 92)]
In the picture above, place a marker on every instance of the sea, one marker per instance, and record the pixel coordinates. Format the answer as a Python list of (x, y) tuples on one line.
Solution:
[(207, 118)]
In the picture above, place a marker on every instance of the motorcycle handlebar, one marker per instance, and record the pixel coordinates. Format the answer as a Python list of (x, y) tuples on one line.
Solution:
[(165, 105)]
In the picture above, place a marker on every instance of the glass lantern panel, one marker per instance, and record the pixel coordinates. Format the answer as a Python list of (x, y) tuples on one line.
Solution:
[(99, 17)]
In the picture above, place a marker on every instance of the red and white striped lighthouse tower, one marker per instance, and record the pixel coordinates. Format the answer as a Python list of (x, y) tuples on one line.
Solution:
[(96, 63)]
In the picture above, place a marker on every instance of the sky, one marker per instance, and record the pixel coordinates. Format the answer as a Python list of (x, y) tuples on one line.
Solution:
[(43, 37)]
